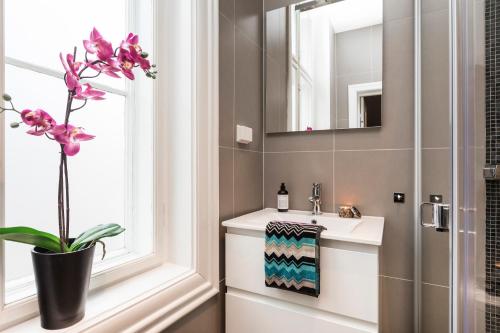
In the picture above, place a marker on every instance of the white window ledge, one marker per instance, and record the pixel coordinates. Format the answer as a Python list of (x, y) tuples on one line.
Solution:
[(148, 302)]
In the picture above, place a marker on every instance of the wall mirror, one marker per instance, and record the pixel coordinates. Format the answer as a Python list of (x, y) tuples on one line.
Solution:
[(323, 65)]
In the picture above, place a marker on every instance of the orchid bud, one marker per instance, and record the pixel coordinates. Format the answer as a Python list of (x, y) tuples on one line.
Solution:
[(153, 65), (6, 97), (144, 55), (14, 125), (148, 74)]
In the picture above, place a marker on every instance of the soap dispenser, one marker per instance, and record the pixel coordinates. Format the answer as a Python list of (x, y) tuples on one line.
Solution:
[(283, 198)]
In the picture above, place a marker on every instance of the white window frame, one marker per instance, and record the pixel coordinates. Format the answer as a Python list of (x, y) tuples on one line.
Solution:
[(181, 280)]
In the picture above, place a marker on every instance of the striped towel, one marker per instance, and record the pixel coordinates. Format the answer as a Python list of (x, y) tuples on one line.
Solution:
[(292, 257)]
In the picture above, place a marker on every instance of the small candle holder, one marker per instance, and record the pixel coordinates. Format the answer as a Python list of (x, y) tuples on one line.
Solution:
[(346, 212), (349, 212)]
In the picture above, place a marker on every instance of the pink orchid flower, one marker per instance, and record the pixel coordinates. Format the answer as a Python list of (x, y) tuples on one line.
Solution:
[(131, 40), (70, 136), (111, 68), (39, 119), (97, 45), (131, 44), (143, 62), (89, 93), (71, 67), (126, 62)]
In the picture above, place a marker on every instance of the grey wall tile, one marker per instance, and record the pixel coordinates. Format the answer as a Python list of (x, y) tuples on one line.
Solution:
[(299, 171), (435, 80), (435, 305), (276, 96), (276, 42), (299, 141), (397, 98), (248, 85), (436, 175), (396, 310), (368, 179), (226, 7), (247, 182), (249, 19), (226, 82)]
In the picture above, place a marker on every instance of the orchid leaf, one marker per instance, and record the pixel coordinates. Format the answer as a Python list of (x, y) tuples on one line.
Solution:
[(33, 237), (96, 233)]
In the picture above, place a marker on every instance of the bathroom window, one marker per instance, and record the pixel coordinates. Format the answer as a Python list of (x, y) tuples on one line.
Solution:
[(112, 179)]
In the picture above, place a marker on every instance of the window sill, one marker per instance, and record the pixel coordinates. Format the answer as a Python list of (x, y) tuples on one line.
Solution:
[(148, 302)]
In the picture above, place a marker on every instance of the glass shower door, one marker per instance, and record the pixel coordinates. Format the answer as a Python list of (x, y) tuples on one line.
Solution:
[(434, 154)]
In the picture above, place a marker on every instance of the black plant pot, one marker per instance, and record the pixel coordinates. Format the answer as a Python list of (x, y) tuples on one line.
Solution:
[(62, 281)]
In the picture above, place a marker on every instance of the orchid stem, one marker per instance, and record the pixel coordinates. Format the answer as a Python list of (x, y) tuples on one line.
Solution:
[(65, 162), (60, 204), (12, 109), (80, 107)]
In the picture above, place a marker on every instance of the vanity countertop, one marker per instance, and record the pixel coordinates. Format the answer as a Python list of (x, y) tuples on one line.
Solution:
[(366, 230)]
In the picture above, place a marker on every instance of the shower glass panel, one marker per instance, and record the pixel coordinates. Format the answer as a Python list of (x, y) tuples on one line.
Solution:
[(478, 252), (434, 154)]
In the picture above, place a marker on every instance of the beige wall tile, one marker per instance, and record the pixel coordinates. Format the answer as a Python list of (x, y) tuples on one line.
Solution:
[(248, 85), (226, 7), (368, 179), (396, 310), (299, 171), (435, 305), (247, 182), (249, 19), (435, 80), (299, 141)]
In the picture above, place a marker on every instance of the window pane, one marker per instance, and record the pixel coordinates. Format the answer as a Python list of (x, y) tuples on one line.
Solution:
[(97, 173), (37, 30)]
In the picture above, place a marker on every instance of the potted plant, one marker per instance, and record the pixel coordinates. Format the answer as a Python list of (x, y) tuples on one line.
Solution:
[(62, 264)]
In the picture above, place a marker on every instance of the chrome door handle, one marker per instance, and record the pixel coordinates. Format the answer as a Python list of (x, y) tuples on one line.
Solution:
[(440, 216)]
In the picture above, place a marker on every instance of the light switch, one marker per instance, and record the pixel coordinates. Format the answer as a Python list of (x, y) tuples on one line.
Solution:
[(243, 134)]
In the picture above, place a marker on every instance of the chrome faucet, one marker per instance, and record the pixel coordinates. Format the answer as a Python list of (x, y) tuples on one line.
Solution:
[(315, 199)]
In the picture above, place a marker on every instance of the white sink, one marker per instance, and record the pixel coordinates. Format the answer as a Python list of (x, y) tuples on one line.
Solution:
[(367, 230)]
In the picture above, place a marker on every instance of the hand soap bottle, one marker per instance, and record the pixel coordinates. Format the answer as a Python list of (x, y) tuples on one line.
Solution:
[(283, 199)]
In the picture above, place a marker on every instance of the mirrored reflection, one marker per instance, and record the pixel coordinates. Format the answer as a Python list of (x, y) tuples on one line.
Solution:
[(324, 65)]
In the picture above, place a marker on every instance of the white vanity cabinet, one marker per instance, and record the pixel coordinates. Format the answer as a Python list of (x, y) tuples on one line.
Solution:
[(349, 299)]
